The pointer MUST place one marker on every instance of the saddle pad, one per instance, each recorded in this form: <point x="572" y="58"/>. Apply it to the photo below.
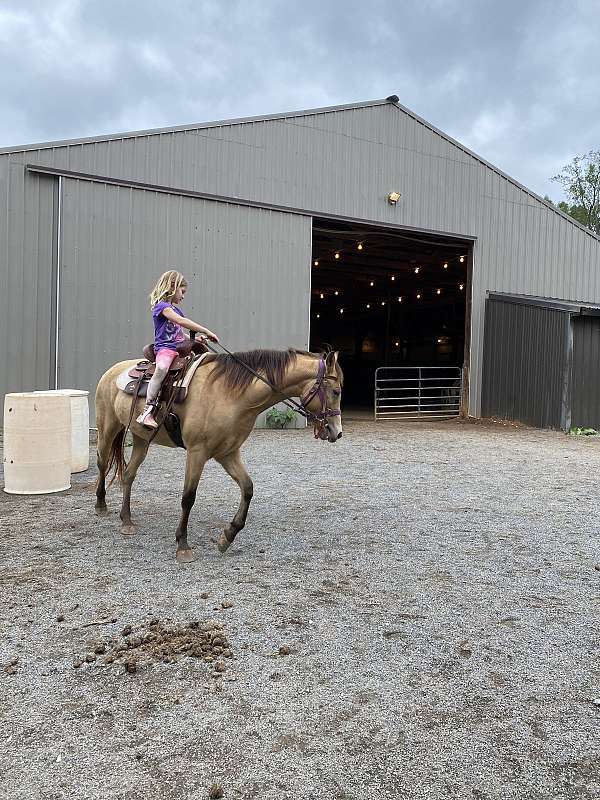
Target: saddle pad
<point x="124" y="379"/>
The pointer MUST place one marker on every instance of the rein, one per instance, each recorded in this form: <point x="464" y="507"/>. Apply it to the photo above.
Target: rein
<point x="319" y="419"/>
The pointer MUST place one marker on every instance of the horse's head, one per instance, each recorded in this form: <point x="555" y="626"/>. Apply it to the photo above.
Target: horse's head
<point x="325" y="400"/>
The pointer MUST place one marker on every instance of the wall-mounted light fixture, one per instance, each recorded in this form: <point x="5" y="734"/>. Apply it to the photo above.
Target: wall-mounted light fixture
<point x="393" y="198"/>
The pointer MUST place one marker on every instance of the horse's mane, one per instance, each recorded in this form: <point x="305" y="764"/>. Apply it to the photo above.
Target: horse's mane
<point x="270" y="363"/>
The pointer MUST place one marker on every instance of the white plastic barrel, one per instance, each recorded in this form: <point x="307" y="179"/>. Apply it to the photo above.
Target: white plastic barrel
<point x="80" y="426"/>
<point x="37" y="443"/>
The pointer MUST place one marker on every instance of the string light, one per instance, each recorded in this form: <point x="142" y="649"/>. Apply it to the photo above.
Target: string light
<point x="397" y="344"/>
<point x="317" y="262"/>
<point x="318" y="316"/>
<point x="418" y="297"/>
<point x="383" y="302"/>
<point x="372" y="283"/>
<point x="341" y="310"/>
<point x="439" y="291"/>
<point x="461" y="287"/>
<point x="322" y="296"/>
<point x="336" y="293"/>
<point x="461" y="259"/>
<point x="439" y="341"/>
<point x="368" y="305"/>
<point x="360" y="246"/>
<point x="445" y="265"/>
<point x="337" y="255"/>
<point x="393" y="277"/>
<point x="417" y="270"/>
<point x="400" y="299"/>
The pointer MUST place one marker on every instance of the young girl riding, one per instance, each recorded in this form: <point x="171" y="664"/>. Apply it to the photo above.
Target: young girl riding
<point x="168" y="319"/>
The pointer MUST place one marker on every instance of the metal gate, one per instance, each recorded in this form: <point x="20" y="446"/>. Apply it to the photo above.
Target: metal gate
<point x="417" y="393"/>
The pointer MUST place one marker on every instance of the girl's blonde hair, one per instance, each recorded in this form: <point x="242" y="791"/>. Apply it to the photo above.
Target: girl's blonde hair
<point x="166" y="286"/>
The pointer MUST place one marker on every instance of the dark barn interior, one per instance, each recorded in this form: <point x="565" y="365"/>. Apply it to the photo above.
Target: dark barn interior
<point x="387" y="297"/>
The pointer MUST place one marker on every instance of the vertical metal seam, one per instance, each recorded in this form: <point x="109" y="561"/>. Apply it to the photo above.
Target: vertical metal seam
<point x="57" y="289"/>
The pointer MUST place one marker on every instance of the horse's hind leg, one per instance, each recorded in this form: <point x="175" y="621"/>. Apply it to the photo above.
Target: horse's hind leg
<point x="138" y="454"/>
<point x="195" y="461"/>
<point x="106" y="437"/>
<point x="234" y="466"/>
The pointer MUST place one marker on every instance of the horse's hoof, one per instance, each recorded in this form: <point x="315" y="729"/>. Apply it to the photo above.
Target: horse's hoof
<point x="185" y="556"/>
<point x="128" y="529"/>
<point x="223" y="543"/>
<point x="102" y="511"/>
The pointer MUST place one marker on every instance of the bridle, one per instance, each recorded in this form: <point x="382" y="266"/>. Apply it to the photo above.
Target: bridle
<point x="319" y="419"/>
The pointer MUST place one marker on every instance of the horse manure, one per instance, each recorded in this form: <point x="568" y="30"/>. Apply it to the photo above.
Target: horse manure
<point x="215" y="792"/>
<point x="126" y="630"/>
<point x="220" y="666"/>
<point x="204" y="596"/>
<point x="131" y="666"/>
<point x="109" y="660"/>
<point x="100" y="648"/>
<point x="90" y="657"/>
<point x="60" y="618"/>
<point x="227" y="653"/>
<point x="10" y="669"/>
<point x="285" y="650"/>
<point x="77" y="662"/>
<point x="226" y="604"/>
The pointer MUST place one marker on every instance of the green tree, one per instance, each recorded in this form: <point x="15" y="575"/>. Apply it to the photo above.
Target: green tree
<point x="580" y="181"/>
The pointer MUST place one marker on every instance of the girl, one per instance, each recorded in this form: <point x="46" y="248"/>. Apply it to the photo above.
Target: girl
<point x="168" y="319"/>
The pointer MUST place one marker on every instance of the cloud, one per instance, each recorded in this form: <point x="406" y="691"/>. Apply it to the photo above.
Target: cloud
<point x="516" y="82"/>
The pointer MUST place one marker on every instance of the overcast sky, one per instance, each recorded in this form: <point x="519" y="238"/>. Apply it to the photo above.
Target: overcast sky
<point x="516" y="81"/>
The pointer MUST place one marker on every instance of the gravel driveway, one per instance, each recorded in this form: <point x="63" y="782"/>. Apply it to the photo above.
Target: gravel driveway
<point x="410" y="613"/>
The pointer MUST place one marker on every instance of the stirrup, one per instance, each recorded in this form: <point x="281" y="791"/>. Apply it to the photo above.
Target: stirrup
<point x="143" y="417"/>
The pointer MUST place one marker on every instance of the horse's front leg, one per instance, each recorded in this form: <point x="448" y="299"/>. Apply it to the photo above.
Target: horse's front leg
<point x="196" y="459"/>
<point x="138" y="454"/>
<point x="234" y="466"/>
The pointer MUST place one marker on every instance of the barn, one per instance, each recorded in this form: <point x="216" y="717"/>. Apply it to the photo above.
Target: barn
<point x="361" y="226"/>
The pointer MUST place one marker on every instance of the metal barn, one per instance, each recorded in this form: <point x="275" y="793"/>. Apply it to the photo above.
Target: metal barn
<point x="253" y="210"/>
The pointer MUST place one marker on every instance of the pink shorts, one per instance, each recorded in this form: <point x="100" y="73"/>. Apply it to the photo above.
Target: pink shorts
<point x="165" y="357"/>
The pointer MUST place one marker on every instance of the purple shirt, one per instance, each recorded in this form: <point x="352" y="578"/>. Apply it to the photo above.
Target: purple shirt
<point x="166" y="333"/>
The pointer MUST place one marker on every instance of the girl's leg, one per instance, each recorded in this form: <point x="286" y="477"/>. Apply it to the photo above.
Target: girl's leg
<point x="164" y="359"/>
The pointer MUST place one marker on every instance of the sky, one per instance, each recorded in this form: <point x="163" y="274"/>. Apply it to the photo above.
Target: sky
<point x="517" y="82"/>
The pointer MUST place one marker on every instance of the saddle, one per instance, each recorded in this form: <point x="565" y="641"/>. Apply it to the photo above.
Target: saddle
<point x="172" y="390"/>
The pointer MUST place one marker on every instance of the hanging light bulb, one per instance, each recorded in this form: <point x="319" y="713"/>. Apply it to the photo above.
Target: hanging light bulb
<point x="383" y="302"/>
<point x="445" y="265"/>
<point x="461" y="286"/>
<point x="372" y="283"/>
<point x="360" y="246"/>
<point x="318" y="316"/>
<point x="461" y="259"/>
<point x="418" y="297"/>
<point x="337" y="255"/>
<point x="322" y="296"/>
<point x="336" y="293"/>
<point x="316" y="262"/>
<point x="393" y="277"/>
<point x="400" y="299"/>
<point x="341" y="310"/>
<point x="417" y="270"/>
<point x="397" y="344"/>
<point x="439" y="291"/>
<point x="368" y="305"/>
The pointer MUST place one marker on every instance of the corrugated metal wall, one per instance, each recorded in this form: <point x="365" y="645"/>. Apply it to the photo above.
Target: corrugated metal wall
<point x="27" y="248"/>
<point x="585" y="391"/>
<point x="344" y="163"/>
<point x="526" y="364"/>
<point x="249" y="273"/>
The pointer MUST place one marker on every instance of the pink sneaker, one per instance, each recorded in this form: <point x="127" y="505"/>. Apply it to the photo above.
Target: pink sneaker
<point x="146" y="419"/>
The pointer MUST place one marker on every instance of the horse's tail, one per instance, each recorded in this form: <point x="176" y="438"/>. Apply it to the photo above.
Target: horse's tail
<point x="116" y="460"/>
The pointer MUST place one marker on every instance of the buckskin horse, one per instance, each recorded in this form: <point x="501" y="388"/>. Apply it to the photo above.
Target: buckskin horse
<point x="223" y="401"/>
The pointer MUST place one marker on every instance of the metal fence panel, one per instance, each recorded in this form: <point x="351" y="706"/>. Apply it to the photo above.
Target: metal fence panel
<point x="417" y="393"/>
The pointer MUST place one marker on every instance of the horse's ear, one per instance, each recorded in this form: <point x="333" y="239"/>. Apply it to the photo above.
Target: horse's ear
<point x="331" y="359"/>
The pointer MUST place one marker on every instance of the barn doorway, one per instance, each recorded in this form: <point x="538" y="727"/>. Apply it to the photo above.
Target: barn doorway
<point x="387" y="298"/>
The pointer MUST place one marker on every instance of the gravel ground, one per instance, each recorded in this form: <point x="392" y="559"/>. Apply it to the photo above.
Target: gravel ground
<point x="435" y="585"/>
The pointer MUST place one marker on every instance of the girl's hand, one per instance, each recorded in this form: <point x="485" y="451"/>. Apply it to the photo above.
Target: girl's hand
<point x="212" y="336"/>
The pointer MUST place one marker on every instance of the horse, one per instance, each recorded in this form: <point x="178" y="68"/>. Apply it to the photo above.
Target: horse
<point x="223" y="401"/>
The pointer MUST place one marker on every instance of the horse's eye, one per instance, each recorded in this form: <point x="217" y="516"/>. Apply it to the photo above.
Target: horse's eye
<point x="337" y="392"/>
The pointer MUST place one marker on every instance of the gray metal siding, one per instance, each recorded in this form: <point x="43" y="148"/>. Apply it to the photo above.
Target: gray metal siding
<point x="249" y="273"/>
<point x="345" y="162"/>
<point x="525" y="364"/>
<point x="585" y="391"/>
<point x="27" y="207"/>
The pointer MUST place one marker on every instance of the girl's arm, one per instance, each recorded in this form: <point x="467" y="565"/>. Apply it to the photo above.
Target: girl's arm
<point x="171" y="314"/>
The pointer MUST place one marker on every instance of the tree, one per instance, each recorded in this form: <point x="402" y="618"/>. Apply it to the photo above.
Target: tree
<point x="580" y="181"/>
